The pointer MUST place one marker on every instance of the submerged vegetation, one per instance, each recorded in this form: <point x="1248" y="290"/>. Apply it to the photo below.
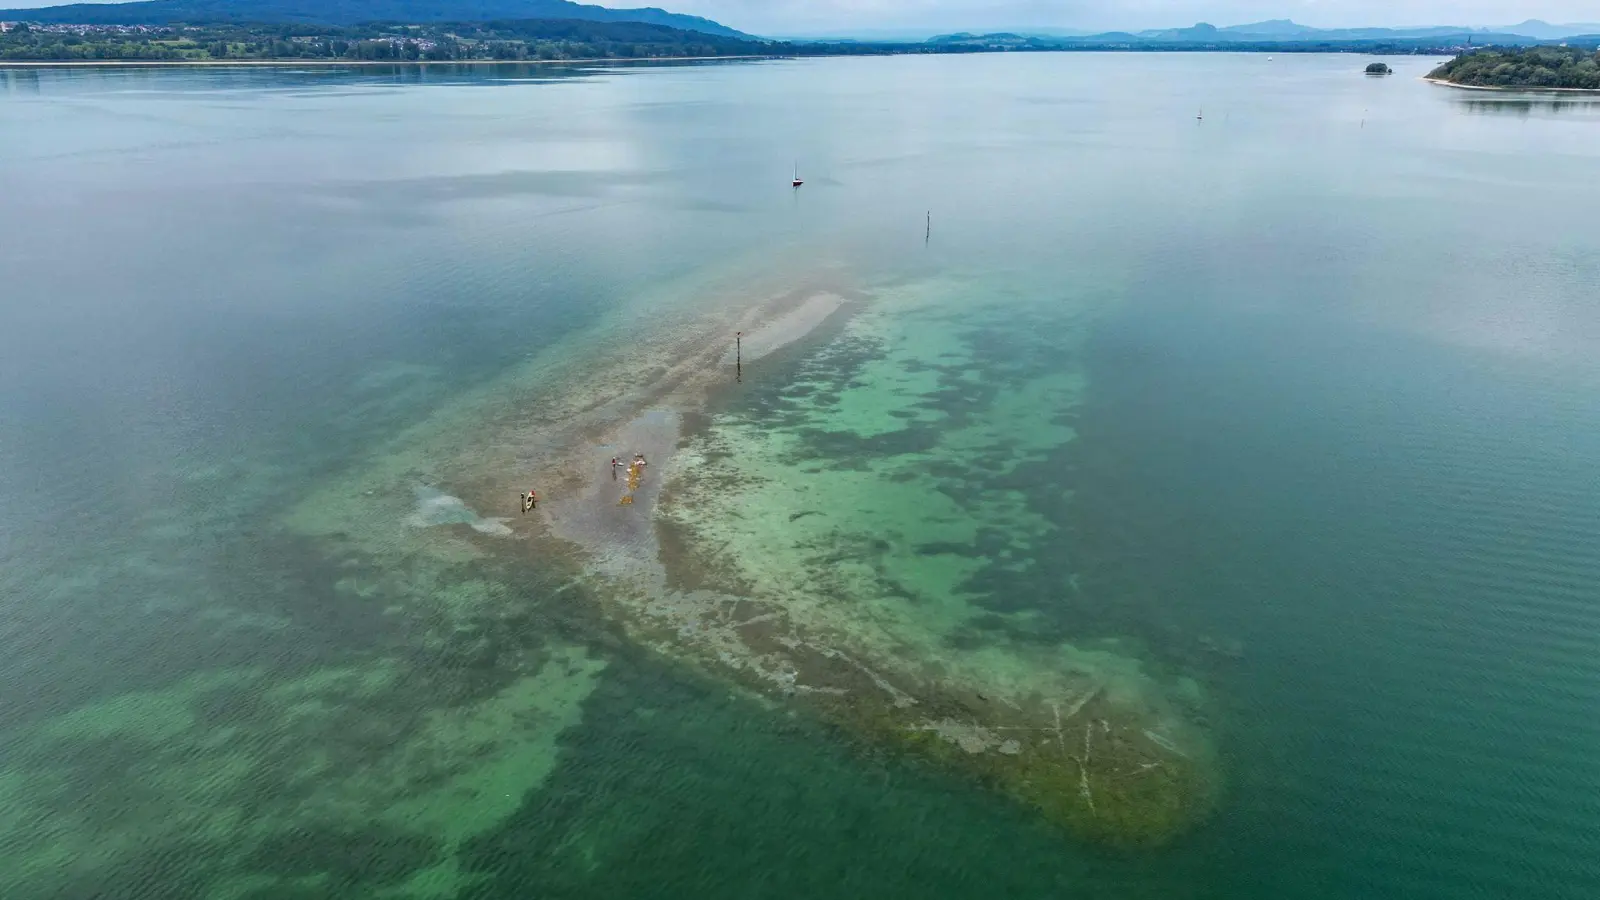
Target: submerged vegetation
<point x="1534" y="67"/>
<point x="877" y="534"/>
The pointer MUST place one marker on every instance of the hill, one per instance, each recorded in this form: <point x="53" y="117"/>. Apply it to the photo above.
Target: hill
<point x="1278" y="28"/>
<point x="351" y="12"/>
<point x="1570" y="68"/>
<point x="1544" y="31"/>
<point x="1286" y="31"/>
<point x="536" y="39"/>
<point x="1282" y="37"/>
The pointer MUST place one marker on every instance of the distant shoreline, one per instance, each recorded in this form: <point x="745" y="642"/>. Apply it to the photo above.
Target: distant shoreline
<point x="898" y="50"/>
<point x="1512" y="89"/>
<point x="340" y="63"/>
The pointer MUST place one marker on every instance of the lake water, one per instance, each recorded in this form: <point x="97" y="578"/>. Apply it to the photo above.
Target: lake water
<point x="1278" y="426"/>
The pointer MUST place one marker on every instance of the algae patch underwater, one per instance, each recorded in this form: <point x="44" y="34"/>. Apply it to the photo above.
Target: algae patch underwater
<point x="875" y="532"/>
<point x="869" y="526"/>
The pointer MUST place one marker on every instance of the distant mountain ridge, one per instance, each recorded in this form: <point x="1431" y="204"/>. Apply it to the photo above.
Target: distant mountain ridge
<point x="354" y="12"/>
<point x="1288" y="30"/>
<point x="1281" y="36"/>
<point x="1209" y="37"/>
<point x="1547" y="32"/>
<point x="1269" y="31"/>
<point x="351" y="12"/>
<point x="1273" y="27"/>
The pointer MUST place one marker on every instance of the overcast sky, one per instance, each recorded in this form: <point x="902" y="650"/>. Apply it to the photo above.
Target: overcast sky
<point x="842" y="16"/>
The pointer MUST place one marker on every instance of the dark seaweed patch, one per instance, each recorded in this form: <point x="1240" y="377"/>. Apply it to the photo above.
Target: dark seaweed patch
<point x="377" y="855"/>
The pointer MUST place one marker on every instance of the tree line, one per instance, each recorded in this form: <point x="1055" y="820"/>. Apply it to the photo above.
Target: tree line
<point x="559" y="39"/>
<point x="511" y="40"/>
<point x="1532" y="67"/>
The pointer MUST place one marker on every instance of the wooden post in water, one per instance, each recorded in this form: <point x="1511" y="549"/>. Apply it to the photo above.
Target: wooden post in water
<point x="926" y="235"/>
<point x="738" y="356"/>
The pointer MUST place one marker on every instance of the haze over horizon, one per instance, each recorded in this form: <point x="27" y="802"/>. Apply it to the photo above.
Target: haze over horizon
<point x="844" y="16"/>
<point x="926" y="17"/>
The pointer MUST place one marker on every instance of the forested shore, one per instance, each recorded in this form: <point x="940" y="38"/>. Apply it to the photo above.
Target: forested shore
<point x="1561" y="68"/>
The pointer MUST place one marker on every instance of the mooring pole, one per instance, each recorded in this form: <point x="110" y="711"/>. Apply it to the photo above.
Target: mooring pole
<point x="738" y="356"/>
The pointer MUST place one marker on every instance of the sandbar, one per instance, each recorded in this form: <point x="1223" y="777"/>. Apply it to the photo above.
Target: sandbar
<point x="1082" y="734"/>
<point x="788" y="327"/>
<point x="1512" y="89"/>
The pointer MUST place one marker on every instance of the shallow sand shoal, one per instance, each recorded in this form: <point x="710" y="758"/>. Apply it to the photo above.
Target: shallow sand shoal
<point x="1512" y="89"/>
<point x="787" y="328"/>
<point x="792" y="577"/>
<point x="706" y="565"/>
<point x="620" y="536"/>
<point x="638" y="405"/>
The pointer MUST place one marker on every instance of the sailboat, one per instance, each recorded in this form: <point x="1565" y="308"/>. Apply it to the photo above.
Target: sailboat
<point x="797" y="181"/>
<point x="1200" y="115"/>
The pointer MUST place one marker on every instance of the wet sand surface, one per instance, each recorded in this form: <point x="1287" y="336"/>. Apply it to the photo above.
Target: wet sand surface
<point x="787" y="328"/>
<point x="621" y="536"/>
<point x="645" y="415"/>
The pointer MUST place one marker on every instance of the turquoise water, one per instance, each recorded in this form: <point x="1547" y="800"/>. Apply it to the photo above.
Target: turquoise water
<point x="1296" y="403"/>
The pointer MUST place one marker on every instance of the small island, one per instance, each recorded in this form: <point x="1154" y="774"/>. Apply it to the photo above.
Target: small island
<point x="1530" y="68"/>
<point x="1379" y="68"/>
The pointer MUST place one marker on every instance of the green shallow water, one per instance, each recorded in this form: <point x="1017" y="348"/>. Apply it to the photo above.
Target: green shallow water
<point x="1245" y="421"/>
<point x="897" y="497"/>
